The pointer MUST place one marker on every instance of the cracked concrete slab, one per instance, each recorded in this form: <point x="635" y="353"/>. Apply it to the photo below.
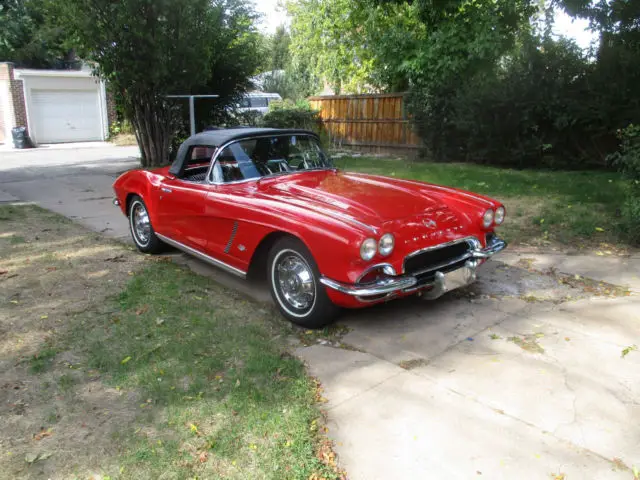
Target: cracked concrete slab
<point x="616" y="270"/>
<point x="409" y="426"/>
<point x="553" y="369"/>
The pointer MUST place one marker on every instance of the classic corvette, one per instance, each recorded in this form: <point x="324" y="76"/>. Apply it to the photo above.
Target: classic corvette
<point x="270" y="202"/>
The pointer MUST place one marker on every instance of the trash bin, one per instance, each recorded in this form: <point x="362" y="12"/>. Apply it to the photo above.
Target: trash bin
<point x="20" y="137"/>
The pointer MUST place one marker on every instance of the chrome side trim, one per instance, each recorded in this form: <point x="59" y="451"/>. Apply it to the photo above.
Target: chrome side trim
<point x="202" y="256"/>
<point x="380" y="287"/>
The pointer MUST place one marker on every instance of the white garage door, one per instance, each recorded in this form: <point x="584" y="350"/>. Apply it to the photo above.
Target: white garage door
<point x="65" y="115"/>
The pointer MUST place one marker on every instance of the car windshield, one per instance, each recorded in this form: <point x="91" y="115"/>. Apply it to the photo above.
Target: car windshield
<point x="266" y="156"/>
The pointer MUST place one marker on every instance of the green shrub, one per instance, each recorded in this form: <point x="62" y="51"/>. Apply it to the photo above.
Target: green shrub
<point x="627" y="160"/>
<point x="530" y="110"/>
<point x="288" y="114"/>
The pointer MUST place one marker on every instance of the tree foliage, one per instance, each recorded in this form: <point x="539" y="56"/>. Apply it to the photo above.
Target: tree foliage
<point x="28" y="39"/>
<point x="278" y="49"/>
<point x="354" y="45"/>
<point x="148" y="49"/>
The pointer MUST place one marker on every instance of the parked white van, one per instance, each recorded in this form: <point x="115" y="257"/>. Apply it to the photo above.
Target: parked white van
<point x="257" y="102"/>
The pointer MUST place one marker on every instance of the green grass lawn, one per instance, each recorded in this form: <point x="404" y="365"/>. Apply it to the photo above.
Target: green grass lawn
<point x="578" y="208"/>
<point x="217" y="386"/>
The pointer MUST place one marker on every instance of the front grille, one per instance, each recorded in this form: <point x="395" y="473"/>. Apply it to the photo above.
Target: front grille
<point x="437" y="259"/>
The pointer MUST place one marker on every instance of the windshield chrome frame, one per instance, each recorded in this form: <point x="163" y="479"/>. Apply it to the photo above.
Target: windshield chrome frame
<point x="256" y="179"/>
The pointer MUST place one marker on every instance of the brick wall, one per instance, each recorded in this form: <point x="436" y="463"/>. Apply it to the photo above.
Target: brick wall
<point x="19" y="107"/>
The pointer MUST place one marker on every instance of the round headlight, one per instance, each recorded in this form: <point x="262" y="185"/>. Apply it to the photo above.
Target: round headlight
<point x="385" y="246"/>
<point x="499" y="216"/>
<point x="487" y="218"/>
<point x="368" y="249"/>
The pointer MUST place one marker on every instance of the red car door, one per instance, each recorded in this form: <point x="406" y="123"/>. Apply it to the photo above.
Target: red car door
<point x="224" y="209"/>
<point x="181" y="212"/>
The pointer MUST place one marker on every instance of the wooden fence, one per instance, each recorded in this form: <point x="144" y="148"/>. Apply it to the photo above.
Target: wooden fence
<point x="368" y="122"/>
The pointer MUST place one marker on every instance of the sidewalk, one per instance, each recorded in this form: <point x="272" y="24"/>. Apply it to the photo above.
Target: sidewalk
<point x="622" y="271"/>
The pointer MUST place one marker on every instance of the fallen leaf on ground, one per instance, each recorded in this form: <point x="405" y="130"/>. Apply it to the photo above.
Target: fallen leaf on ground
<point x="32" y="458"/>
<point x="43" y="434"/>
<point x="125" y="360"/>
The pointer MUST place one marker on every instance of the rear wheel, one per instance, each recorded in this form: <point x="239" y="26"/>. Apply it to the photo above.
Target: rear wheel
<point x="294" y="281"/>
<point x="142" y="231"/>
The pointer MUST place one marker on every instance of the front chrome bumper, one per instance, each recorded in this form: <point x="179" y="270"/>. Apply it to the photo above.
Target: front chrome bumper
<point x="442" y="283"/>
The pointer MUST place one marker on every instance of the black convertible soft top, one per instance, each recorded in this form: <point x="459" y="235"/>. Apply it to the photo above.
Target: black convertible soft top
<point x="216" y="138"/>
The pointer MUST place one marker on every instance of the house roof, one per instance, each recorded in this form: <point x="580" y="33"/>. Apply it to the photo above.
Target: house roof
<point x="219" y="137"/>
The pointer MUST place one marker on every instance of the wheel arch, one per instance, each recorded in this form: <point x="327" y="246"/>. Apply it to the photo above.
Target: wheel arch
<point x="258" y="263"/>
<point x="128" y="200"/>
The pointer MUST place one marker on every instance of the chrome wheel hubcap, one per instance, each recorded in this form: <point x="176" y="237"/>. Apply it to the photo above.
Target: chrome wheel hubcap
<point x="141" y="223"/>
<point x="295" y="281"/>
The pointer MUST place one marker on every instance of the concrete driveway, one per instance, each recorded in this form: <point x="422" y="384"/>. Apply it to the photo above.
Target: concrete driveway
<point x="526" y="374"/>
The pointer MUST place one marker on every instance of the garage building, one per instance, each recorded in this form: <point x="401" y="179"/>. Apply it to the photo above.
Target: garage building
<point x="56" y="106"/>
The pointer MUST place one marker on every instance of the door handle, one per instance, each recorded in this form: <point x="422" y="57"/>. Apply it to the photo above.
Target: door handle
<point x="166" y="190"/>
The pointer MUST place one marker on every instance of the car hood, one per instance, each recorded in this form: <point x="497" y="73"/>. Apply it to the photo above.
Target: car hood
<point x="370" y="199"/>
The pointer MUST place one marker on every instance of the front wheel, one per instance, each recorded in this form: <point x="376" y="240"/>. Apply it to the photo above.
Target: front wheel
<point x="294" y="281"/>
<point x="142" y="231"/>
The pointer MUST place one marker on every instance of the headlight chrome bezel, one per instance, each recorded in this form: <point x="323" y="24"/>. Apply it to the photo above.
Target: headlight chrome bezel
<point x="487" y="218"/>
<point x="499" y="216"/>
<point x="388" y="250"/>
<point x="368" y="245"/>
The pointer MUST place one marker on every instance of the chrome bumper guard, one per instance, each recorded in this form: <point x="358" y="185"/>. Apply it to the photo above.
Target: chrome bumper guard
<point x="442" y="283"/>
<point x="381" y="287"/>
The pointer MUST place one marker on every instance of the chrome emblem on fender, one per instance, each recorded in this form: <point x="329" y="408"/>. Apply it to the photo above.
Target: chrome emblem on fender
<point x="429" y="223"/>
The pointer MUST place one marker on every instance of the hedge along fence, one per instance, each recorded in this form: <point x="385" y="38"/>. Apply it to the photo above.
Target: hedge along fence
<point x="377" y="122"/>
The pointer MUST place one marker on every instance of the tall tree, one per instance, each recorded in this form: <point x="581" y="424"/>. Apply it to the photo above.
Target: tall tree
<point x="279" y="49"/>
<point x="148" y="49"/>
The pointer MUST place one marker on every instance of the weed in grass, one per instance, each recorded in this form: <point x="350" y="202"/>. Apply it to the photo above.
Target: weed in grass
<point x="42" y="360"/>
<point x="52" y="417"/>
<point x="17" y="240"/>
<point x="66" y="382"/>
<point x="11" y="212"/>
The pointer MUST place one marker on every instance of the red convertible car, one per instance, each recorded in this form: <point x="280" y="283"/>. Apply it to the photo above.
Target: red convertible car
<point x="270" y="201"/>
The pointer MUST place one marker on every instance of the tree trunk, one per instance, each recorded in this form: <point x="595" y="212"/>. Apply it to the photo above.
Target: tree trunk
<point x="153" y="124"/>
